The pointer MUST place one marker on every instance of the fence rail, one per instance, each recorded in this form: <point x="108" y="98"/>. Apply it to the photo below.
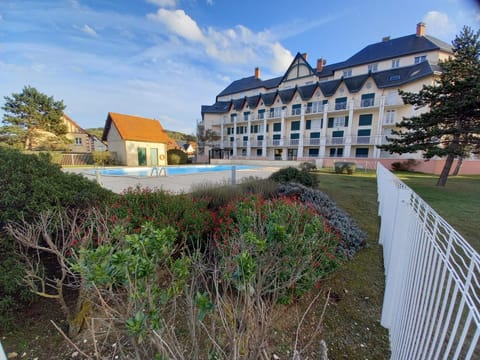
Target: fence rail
<point x="432" y="293"/>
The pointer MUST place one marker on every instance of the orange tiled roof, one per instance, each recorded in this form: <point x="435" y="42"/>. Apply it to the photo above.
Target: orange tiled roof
<point x="137" y="128"/>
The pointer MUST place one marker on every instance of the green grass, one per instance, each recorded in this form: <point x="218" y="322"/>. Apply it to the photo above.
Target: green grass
<point x="458" y="202"/>
<point x="351" y="326"/>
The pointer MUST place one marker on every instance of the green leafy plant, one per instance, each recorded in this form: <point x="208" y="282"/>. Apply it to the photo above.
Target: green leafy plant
<point x="345" y="167"/>
<point x="176" y="157"/>
<point x="292" y="174"/>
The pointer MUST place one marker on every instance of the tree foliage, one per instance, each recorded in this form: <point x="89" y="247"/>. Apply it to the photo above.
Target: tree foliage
<point x="27" y="114"/>
<point x="451" y="127"/>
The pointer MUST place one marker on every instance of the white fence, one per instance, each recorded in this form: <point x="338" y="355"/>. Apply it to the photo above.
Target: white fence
<point x="432" y="293"/>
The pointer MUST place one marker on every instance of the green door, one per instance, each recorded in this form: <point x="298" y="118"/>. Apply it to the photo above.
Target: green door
<point x="142" y="156"/>
<point x="154" y="156"/>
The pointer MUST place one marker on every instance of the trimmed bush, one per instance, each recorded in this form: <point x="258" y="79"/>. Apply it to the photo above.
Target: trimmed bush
<point x="101" y="158"/>
<point x="307" y="166"/>
<point x="353" y="237"/>
<point x="406" y="165"/>
<point x="345" y="167"/>
<point x="176" y="157"/>
<point x="31" y="184"/>
<point x="291" y="174"/>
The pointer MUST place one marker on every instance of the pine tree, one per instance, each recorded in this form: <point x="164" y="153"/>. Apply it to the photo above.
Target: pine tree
<point x="28" y="112"/>
<point x="451" y="126"/>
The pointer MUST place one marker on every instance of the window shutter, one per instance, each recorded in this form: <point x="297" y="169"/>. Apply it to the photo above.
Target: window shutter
<point x="308" y="124"/>
<point x="330" y="122"/>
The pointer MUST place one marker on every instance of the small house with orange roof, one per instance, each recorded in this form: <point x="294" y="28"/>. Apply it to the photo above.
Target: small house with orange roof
<point x="135" y="140"/>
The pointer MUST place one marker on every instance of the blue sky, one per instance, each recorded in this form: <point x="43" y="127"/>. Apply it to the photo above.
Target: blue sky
<point x="163" y="59"/>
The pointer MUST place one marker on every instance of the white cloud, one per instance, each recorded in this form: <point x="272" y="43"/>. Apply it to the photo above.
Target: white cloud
<point x="281" y="58"/>
<point x="89" y="30"/>
<point x="210" y="2"/>
<point x="163" y="3"/>
<point x="179" y="23"/>
<point x="439" y="25"/>
<point x="238" y="45"/>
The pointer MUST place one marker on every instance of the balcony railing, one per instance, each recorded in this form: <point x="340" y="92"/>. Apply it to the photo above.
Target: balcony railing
<point x="341" y="105"/>
<point x="367" y="103"/>
<point x="361" y="139"/>
<point x="296" y="112"/>
<point x="291" y="142"/>
<point x="335" y="141"/>
<point x="312" y="141"/>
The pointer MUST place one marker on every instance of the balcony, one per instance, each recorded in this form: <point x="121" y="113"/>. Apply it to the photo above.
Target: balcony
<point x="340" y="106"/>
<point x="296" y="112"/>
<point x="365" y="140"/>
<point x="336" y="141"/>
<point x="291" y="142"/>
<point x="367" y="103"/>
<point x="312" y="142"/>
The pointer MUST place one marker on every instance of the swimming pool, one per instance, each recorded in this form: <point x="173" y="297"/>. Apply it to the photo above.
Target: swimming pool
<point x="171" y="170"/>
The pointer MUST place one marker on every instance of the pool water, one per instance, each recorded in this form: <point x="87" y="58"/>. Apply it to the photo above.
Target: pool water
<point x="171" y="170"/>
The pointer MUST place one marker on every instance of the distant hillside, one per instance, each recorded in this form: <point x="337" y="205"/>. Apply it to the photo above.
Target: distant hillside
<point x="175" y="135"/>
<point x="178" y="136"/>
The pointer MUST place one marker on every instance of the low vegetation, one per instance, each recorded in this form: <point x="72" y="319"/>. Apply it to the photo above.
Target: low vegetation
<point x="176" y="157"/>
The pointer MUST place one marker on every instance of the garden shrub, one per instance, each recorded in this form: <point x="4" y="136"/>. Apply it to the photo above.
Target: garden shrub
<point x="406" y="165"/>
<point x="292" y="174"/>
<point x="137" y="206"/>
<point x="307" y="166"/>
<point x="345" y="167"/>
<point x="176" y="157"/>
<point x="253" y="232"/>
<point x="102" y="158"/>
<point x="30" y="184"/>
<point x="353" y="238"/>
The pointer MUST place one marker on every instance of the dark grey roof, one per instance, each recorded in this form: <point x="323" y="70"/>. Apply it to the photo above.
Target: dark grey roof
<point x="355" y="83"/>
<point x="268" y="98"/>
<point x="252" y="101"/>
<point x="306" y="92"/>
<point x="286" y="95"/>
<point x="250" y="83"/>
<point x="400" y="76"/>
<point x="219" y="107"/>
<point x="405" y="45"/>
<point x="238" y="103"/>
<point x="329" y="87"/>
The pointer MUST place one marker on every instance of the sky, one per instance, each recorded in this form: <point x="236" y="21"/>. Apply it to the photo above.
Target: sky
<point x="164" y="59"/>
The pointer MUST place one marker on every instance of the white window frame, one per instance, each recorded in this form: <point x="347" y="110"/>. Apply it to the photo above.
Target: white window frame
<point x="395" y="63"/>
<point x="339" y="121"/>
<point x="420" y="59"/>
<point x="78" y="141"/>
<point x="347" y="73"/>
<point x="373" y="67"/>
<point x="390" y="117"/>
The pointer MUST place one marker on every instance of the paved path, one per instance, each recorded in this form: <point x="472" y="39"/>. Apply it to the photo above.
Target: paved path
<point x="175" y="184"/>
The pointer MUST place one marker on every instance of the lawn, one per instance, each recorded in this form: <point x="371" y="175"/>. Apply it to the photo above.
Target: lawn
<point x="352" y="328"/>
<point x="458" y="202"/>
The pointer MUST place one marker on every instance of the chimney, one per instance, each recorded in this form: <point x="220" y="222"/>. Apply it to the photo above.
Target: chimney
<point x="305" y="55"/>
<point x="320" y="64"/>
<point x="385" y="38"/>
<point x="421" y="29"/>
<point x="257" y="73"/>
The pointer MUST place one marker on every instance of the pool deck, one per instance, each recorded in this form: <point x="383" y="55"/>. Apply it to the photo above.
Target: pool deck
<point x="174" y="184"/>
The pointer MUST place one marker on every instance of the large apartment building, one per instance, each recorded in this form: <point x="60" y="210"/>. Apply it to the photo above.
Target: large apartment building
<point x="330" y="110"/>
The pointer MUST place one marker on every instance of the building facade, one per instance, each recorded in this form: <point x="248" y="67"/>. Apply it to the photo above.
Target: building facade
<point x="344" y="109"/>
<point x="135" y="140"/>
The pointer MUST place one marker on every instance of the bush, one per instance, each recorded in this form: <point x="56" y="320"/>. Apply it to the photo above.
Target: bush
<point x="291" y="174"/>
<point x="353" y="238"/>
<point x="31" y="184"/>
<point x="307" y="166"/>
<point x="101" y="158"/>
<point x="176" y="157"/>
<point x="406" y="165"/>
<point x="345" y="167"/>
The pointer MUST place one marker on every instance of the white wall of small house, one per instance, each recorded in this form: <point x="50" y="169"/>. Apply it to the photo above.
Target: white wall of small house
<point x="132" y="152"/>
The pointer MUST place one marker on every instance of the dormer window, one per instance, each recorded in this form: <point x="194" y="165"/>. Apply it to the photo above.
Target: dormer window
<point x="419" y="59"/>
<point x="373" y="67"/>
<point x="347" y="73"/>
<point x="395" y="63"/>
